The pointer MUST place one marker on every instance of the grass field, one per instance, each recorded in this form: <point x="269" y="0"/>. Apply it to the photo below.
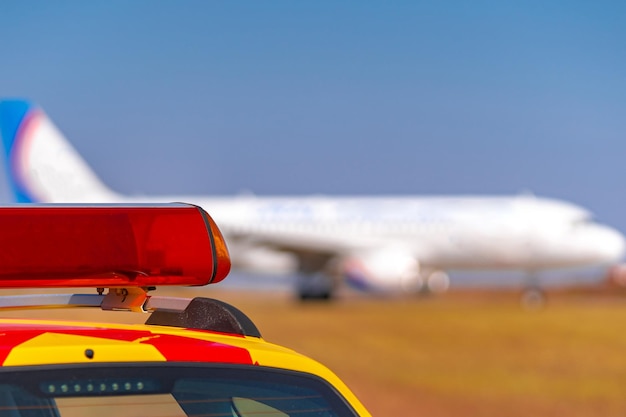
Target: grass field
<point x="470" y="354"/>
<point x="465" y="354"/>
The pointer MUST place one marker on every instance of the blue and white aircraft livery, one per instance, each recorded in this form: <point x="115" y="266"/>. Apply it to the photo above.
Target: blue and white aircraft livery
<point x="381" y="244"/>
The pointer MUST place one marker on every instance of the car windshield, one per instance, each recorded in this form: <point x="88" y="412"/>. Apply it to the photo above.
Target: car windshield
<point x="165" y="389"/>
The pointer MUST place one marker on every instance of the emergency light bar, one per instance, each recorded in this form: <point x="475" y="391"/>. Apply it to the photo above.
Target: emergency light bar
<point x="51" y="246"/>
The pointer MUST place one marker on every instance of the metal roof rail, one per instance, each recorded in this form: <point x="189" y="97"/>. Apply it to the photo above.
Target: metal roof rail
<point x="199" y="313"/>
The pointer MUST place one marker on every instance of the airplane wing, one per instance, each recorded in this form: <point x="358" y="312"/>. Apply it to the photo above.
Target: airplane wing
<point x="297" y="242"/>
<point x="313" y="251"/>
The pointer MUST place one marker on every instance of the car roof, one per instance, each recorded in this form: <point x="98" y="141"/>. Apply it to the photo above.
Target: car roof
<point x="24" y="342"/>
<point x="42" y="342"/>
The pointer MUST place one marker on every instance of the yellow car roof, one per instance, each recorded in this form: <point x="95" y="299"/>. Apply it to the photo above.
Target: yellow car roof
<point x="34" y="342"/>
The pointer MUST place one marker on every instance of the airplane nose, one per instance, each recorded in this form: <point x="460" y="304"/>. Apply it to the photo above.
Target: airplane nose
<point x="610" y="244"/>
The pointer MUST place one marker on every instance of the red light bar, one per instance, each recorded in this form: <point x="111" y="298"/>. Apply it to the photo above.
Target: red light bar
<point x="44" y="246"/>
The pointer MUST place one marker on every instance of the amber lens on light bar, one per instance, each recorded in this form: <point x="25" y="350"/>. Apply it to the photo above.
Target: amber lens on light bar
<point x="109" y="246"/>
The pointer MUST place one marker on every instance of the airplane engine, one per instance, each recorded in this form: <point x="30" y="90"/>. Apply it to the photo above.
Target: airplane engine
<point x="383" y="271"/>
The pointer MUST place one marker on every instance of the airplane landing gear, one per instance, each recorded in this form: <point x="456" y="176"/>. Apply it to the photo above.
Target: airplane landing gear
<point x="533" y="298"/>
<point x="315" y="287"/>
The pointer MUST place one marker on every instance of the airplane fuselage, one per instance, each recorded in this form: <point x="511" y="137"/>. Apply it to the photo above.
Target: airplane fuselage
<point x="520" y="232"/>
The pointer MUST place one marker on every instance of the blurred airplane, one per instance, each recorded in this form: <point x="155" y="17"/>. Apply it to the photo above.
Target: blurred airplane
<point x="380" y="244"/>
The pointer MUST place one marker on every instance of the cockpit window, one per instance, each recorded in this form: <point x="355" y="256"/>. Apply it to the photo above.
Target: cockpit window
<point x="166" y="390"/>
<point x="583" y="222"/>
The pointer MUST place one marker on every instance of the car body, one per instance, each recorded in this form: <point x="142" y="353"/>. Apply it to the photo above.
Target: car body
<point x="199" y="357"/>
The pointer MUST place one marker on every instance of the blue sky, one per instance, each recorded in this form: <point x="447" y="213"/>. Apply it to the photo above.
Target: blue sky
<point x="346" y="97"/>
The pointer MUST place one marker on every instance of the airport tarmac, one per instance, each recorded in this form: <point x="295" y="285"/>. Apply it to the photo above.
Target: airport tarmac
<point x="462" y="280"/>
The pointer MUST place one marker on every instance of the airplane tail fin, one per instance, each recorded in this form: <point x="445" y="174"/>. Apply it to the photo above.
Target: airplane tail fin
<point x="42" y="166"/>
